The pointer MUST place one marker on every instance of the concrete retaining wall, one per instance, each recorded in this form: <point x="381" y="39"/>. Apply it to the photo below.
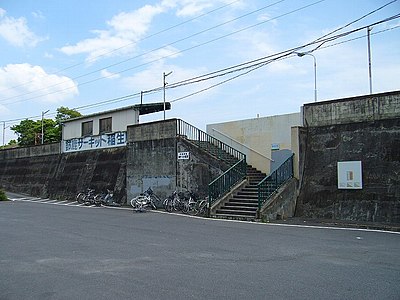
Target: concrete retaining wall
<point x="340" y="131"/>
<point x="33" y="151"/>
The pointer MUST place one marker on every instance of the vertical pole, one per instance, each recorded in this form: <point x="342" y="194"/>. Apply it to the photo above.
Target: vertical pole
<point x="141" y="97"/>
<point x="369" y="59"/>
<point x="315" y="79"/>
<point x="164" y="84"/>
<point x="42" y="127"/>
<point x="4" y="132"/>
<point x="43" y="113"/>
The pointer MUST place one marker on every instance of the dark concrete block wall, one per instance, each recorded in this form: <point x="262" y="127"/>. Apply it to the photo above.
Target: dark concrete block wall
<point x="194" y="174"/>
<point x="61" y="176"/>
<point x="374" y="141"/>
<point x="28" y="175"/>
<point x="151" y="158"/>
<point x="97" y="169"/>
<point x="152" y="161"/>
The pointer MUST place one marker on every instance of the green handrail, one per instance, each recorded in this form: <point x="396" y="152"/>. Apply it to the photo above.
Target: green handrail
<point x="272" y="182"/>
<point x="208" y="143"/>
<point x="223" y="183"/>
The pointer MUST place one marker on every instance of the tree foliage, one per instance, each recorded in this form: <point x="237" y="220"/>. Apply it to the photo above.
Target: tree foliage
<point x="30" y="132"/>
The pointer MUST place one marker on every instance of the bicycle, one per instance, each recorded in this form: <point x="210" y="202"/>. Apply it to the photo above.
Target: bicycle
<point x="202" y="207"/>
<point x="106" y="199"/>
<point x="86" y="198"/>
<point x="174" y="202"/>
<point x="144" y="201"/>
<point x="189" y="204"/>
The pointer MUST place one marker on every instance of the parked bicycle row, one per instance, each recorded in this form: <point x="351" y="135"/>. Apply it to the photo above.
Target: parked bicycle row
<point x="185" y="202"/>
<point x="91" y="198"/>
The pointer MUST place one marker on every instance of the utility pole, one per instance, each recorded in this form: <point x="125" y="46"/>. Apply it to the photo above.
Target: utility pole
<point x="369" y="59"/>
<point x="4" y="132"/>
<point x="165" y="84"/>
<point x="43" y="113"/>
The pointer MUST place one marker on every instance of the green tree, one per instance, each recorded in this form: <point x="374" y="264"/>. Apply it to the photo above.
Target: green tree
<point x="64" y="113"/>
<point x="30" y="132"/>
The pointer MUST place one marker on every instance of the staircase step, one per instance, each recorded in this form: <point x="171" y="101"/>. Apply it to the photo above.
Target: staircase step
<point x="236" y="213"/>
<point x="240" y="206"/>
<point x="235" y="217"/>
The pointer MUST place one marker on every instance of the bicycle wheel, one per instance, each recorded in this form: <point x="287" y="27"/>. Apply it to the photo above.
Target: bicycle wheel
<point x="152" y="204"/>
<point x="169" y="205"/>
<point x="192" y="208"/>
<point x="157" y="201"/>
<point x="185" y="208"/>
<point x="80" y="198"/>
<point x="135" y="202"/>
<point x="98" y="199"/>
<point x="202" y="209"/>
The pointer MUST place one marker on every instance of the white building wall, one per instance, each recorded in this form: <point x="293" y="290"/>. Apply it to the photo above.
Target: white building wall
<point x="256" y="137"/>
<point x="120" y="121"/>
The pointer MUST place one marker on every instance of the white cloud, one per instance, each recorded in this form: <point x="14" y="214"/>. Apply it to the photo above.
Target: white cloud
<point x="190" y="8"/>
<point x="153" y="76"/>
<point x="124" y="31"/>
<point x="107" y="74"/>
<point x="160" y="54"/>
<point x="16" y="31"/>
<point x="20" y="82"/>
<point x="38" y="15"/>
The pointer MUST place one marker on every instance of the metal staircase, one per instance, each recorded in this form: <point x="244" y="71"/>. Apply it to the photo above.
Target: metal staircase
<point x="243" y="204"/>
<point x="246" y="202"/>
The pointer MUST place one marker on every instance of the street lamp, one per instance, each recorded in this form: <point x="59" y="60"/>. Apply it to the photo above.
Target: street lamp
<point x="301" y="54"/>
<point x="4" y="132"/>
<point x="165" y="84"/>
<point x="43" y="113"/>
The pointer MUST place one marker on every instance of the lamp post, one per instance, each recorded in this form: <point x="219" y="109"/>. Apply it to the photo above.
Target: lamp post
<point x="301" y="54"/>
<point x="165" y="84"/>
<point x="43" y="113"/>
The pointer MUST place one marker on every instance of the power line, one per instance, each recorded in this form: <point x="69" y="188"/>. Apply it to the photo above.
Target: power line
<point x="129" y="44"/>
<point x="251" y="65"/>
<point x="137" y="56"/>
<point x="166" y="56"/>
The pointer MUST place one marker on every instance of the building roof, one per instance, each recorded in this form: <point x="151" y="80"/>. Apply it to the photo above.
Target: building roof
<point x="143" y="109"/>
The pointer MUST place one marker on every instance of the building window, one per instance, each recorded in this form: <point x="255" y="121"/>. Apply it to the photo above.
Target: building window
<point x="105" y="125"/>
<point x="87" y="128"/>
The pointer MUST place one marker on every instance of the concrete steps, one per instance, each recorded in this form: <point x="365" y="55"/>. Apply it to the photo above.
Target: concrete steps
<point x="243" y="204"/>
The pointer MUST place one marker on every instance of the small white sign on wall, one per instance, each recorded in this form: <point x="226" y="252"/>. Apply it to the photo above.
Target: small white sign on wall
<point x="183" y="155"/>
<point x="349" y="175"/>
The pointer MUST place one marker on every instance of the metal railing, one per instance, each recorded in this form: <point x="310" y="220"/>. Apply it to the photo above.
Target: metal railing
<point x="224" y="183"/>
<point x="208" y="143"/>
<point x="272" y="182"/>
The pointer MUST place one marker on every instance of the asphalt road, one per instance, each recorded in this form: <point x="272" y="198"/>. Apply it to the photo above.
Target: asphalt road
<point x="58" y="250"/>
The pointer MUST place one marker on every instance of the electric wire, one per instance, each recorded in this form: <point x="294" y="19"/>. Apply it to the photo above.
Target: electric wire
<point x="135" y="57"/>
<point x="158" y="59"/>
<point x="255" y="65"/>
<point x="129" y="44"/>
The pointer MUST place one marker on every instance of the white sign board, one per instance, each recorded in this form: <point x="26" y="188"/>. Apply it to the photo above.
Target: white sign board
<point x="183" y="155"/>
<point x="349" y="175"/>
<point x="115" y="139"/>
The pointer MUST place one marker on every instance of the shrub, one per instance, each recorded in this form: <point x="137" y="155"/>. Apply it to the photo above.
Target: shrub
<point x="3" y="196"/>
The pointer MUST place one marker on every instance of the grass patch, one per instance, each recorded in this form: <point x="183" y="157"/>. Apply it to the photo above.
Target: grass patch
<point x="3" y="196"/>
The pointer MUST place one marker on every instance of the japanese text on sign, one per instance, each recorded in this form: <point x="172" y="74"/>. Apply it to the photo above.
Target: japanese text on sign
<point x="183" y="155"/>
<point x="115" y="139"/>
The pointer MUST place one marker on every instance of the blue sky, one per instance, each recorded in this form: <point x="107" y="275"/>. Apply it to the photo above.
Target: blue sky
<point x="81" y="53"/>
